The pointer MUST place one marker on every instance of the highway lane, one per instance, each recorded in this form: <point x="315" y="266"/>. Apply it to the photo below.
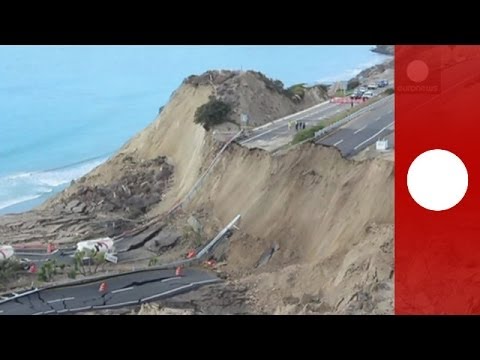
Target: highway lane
<point x="60" y="257"/>
<point x="122" y="290"/>
<point x="277" y="134"/>
<point x="364" y="130"/>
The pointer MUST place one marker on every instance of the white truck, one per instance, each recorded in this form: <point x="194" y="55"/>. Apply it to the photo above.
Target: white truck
<point x="6" y="252"/>
<point x="103" y="245"/>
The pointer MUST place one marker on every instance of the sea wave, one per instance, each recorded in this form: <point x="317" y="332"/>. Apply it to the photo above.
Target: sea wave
<point x="18" y="200"/>
<point x="26" y="186"/>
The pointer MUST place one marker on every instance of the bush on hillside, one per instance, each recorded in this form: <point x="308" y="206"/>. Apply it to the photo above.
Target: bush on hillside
<point x="212" y="113"/>
<point x="324" y="87"/>
<point x="9" y="270"/>
<point x="296" y="91"/>
<point x="389" y="91"/>
<point x="271" y="84"/>
<point x="352" y="84"/>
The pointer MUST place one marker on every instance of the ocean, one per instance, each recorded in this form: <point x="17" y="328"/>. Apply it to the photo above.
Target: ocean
<point x="65" y="109"/>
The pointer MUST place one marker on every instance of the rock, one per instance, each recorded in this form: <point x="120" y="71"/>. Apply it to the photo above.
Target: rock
<point x="72" y="204"/>
<point x="308" y="298"/>
<point x="163" y="241"/>
<point x="79" y="209"/>
<point x="195" y="224"/>
<point x="291" y="300"/>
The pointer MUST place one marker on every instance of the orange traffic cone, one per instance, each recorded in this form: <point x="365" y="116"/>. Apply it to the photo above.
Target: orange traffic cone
<point x="103" y="287"/>
<point x="211" y="263"/>
<point x="191" y="254"/>
<point x="179" y="271"/>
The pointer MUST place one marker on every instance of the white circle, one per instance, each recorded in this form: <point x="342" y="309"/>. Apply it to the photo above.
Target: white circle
<point x="437" y="180"/>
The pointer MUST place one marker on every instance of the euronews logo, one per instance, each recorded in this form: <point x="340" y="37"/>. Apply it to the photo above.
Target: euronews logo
<point x="420" y="78"/>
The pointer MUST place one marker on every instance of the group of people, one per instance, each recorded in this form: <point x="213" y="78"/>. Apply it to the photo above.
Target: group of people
<point x="299" y="125"/>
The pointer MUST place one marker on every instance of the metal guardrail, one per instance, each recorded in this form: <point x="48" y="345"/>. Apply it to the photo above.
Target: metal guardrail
<point x="197" y="259"/>
<point x="186" y="199"/>
<point x="199" y="182"/>
<point x="282" y="119"/>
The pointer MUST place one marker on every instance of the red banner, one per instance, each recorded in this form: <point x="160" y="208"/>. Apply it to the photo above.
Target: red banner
<point x="437" y="180"/>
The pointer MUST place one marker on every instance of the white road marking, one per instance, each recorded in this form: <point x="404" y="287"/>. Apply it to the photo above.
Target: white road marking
<point x="82" y="308"/>
<point x="45" y="312"/>
<point x="179" y="288"/>
<point x="1" y="311"/>
<point x="338" y="143"/>
<point x="60" y="300"/>
<point x="370" y="138"/>
<point x="170" y="279"/>
<point x="116" y="305"/>
<point x="261" y="134"/>
<point x="122" y="290"/>
<point x="378" y="118"/>
<point x="291" y="117"/>
<point x="363" y="127"/>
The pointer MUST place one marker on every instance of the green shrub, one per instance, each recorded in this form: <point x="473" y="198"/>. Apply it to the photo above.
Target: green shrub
<point x="306" y="134"/>
<point x="9" y="270"/>
<point x="389" y="91"/>
<point x="72" y="274"/>
<point x="153" y="261"/>
<point x="323" y="87"/>
<point x="47" y="271"/>
<point x="297" y="90"/>
<point x="212" y="113"/>
<point x="352" y="84"/>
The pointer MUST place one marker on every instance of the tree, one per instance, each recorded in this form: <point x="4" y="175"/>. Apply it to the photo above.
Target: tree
<point x="9" y="270"/>
<point x="47" y="271"/>
<point x="99" y="260"/>
<point x="72" y="274"/>
<point x="352" y="84"/>
<point x="79" y="264"/>
<point x="93" y="258"/>
<point x="212" y="113"/>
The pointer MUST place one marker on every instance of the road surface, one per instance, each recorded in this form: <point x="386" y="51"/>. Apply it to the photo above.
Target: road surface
<point x="39" y="258"/>
<point x="277" y="133"/>
<point x="364" y="130"/>
<point x="122" y="290"/>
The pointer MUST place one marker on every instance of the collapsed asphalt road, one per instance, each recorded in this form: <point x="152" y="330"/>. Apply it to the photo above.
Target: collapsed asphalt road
<point x="121" y="290"/>
<point x="364" y="130"/>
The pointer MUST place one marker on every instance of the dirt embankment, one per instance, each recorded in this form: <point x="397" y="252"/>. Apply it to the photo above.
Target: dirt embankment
<point x="331" y="221"/>
<point x="252" y="93"/>
<point x="186" y="145"/>
<point x="173" y="142"/>
<point x="316" y="231"/>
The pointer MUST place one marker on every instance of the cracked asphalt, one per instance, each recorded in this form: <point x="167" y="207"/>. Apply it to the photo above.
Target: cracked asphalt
<point x="122" y="290"/>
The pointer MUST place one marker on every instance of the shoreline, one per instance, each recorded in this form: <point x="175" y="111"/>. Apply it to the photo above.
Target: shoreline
<point x="29" y="205"/>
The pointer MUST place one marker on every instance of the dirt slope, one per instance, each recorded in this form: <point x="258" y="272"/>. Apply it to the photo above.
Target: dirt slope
<point x="187" y="145"/>
<point x="331" y="219"/>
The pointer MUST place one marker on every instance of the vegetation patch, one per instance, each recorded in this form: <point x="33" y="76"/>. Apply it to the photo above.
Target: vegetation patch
<point x="214" y="112"/>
